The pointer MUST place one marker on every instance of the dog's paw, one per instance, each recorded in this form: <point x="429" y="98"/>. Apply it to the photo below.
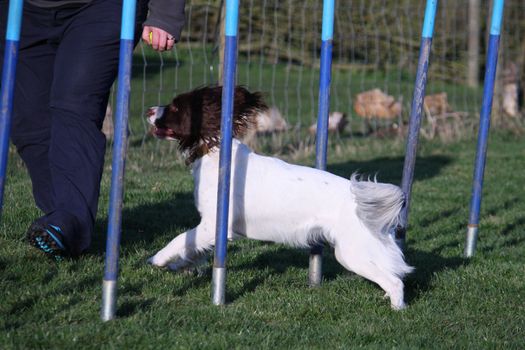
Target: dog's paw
<point x="396" y="303"/>
<point x="398" y="307"/>
<point x="155" y="261"/>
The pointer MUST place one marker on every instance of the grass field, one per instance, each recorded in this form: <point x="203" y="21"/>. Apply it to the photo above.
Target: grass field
<point x="452" y="302"/>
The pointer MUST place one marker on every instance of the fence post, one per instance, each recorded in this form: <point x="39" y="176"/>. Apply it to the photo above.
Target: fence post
<point x="223" y="195"/>
<point x="12" y="40"/>
<point x="484" y="126"/>
<point x="325" y="75"/>
<point x="474" y="32"/>
<point x="109" y="284"/>
<point x="415" y="117"/>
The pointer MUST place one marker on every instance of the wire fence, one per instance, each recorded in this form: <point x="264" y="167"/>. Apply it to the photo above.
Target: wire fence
<point x="375" y="52"/>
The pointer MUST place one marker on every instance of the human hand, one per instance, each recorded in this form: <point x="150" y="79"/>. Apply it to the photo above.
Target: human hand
<point x="157" y="38"/>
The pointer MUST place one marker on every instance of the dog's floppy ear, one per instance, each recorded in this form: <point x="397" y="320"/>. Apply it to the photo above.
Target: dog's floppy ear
<point x="203" y="109"/>
<point x="247" y="106"/>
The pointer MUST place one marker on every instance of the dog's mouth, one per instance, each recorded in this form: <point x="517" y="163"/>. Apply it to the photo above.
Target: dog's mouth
<point x="163" y="133"/>
<point x="153" y="115"/>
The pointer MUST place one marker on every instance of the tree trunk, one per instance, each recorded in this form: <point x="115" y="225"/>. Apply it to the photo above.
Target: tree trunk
<point x="474" y="29"/>
<point x="521" y="72"/>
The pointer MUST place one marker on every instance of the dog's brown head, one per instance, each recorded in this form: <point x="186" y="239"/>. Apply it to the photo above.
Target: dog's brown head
<point x="194" y="118"/>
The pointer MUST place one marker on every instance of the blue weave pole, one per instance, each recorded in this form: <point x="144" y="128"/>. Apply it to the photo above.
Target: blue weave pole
<point x="415" y="117"/>
<point x="225" y="156"/>
<point x="484" y="126"/>
<point x="109" y="284"/>
<point x="12" y="39"/>
<point x="315" y="273"/>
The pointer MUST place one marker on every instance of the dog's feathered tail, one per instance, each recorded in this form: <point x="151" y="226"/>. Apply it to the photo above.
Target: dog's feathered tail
<point x="378" y="204"/>
<point x="379" y="207"/>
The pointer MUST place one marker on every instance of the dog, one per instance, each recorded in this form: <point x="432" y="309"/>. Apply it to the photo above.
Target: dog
<point x="271" y="200"/>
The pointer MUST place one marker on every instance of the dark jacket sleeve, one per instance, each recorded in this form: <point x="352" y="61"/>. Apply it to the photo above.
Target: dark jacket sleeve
<point x="167" y="15"/>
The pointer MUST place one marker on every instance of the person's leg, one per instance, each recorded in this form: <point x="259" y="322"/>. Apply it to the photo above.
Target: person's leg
<point x="85" y="67"/>
<point x="31" y="117"/>
<point x="81" y="87"/>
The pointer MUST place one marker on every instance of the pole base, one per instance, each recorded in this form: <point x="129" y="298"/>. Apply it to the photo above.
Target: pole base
<point x="472" y="238"/>
<point x="315" y="271"/>
<point x="218" y="286"/>
<point x="109" y="300"/>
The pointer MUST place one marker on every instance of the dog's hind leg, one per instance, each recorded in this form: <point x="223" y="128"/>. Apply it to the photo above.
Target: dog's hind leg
<point x="185" y="248"/>
<point x="365" y="266"/>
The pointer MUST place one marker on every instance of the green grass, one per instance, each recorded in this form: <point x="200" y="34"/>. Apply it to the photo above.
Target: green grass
<point x="452" y="302"/>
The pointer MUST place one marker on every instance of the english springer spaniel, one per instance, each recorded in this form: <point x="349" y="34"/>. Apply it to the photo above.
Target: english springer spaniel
<point x="271" y="200"/>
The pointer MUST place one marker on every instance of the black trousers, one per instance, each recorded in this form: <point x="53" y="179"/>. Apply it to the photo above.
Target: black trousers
<point x="68" y="60"/>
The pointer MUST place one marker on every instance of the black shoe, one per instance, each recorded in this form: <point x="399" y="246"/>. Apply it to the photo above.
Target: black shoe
<point x="48" y="239"/>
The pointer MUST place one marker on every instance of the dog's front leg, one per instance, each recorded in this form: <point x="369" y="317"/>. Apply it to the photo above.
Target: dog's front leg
<point x="184" y="248"/>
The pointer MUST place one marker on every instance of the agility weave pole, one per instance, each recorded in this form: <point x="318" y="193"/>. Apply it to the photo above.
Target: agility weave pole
<point x="109" y="284"/>
<point x="315" y="272"/>
<point x="484" y="127"/>
<point x="415" y="117"/>
<point x="223" y="195"/>
<point x="12" y="41"/>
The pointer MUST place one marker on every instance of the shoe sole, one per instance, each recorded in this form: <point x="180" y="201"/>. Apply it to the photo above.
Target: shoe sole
<point x="47" y="242"/>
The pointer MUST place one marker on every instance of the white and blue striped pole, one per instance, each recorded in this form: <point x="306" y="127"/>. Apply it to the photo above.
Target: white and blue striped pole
<point x="223" y="195"/>
<point x="12" y="40"/>
<point x="484" y="126"/>
<point x="415" y="116"/>
<point x="109" y="284"/>
<point x="315" y="273"/>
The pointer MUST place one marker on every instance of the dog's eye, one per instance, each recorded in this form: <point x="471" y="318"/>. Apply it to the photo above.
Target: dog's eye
<point x="173" y="108"/>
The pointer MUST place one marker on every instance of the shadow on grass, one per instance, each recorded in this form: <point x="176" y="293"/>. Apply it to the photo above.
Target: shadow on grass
<point x="390" y="169"/>
<point x="427" y="265"/>
<point x="134" y="301"/>
<point x="65" y="296"/>
<point x="273" y="262"/>
<point x="497" y="207"/>
<point x="143" y="223"/>
<point x="510" y="234"/>
<point x="512" y="226"/>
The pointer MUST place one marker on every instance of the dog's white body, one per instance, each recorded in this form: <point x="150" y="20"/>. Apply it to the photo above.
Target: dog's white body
<point x="271" y="200"/>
